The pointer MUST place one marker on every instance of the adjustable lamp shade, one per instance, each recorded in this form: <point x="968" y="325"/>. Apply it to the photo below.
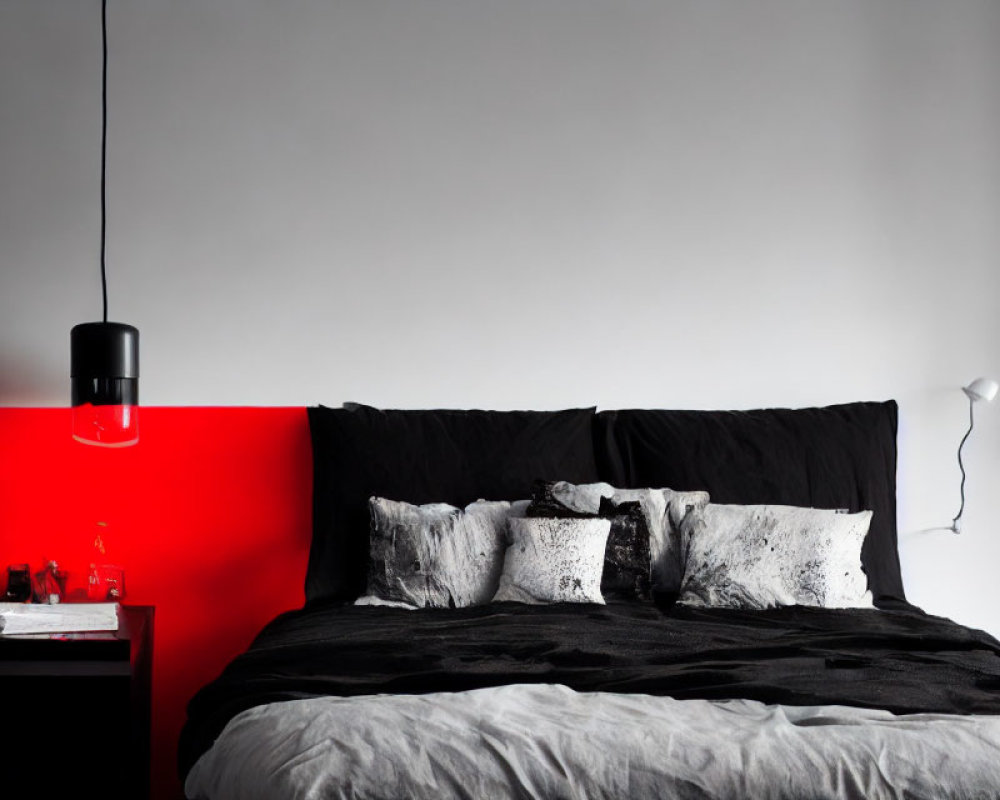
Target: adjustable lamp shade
<point x="104" y="370"/>
<point x="981" y="389"/>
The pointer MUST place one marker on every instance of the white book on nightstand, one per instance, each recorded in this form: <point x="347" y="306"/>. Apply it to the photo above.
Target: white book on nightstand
<point x="25" y="618"/>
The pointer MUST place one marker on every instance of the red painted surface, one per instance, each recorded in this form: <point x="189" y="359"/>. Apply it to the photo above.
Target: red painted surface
<point x="209" y="515"/>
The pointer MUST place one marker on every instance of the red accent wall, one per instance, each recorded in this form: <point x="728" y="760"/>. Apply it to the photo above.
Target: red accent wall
<point x="209" y="514"/>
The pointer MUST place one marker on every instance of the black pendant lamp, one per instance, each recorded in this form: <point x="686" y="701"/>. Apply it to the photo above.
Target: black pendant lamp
<point x="104" y="356"/>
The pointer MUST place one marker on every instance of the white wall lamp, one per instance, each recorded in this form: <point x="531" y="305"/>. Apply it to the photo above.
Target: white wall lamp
<point x="979" y="389"/>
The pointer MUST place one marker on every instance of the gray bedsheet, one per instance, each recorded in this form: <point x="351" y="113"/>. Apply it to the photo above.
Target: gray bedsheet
<point x="548" y="741"/>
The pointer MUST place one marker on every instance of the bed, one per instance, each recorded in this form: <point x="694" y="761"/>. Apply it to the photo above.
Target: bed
<point x="680" y="691"/>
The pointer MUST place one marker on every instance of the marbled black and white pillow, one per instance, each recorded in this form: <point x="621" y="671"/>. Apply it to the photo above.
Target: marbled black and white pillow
<point x="626" y="555"/>
<point x="554" y="560"/>
<point x="437" y="555"/>
<point x="663" y="510"/>
<point x="755" y="557"/>
<point x="667" y="549"/>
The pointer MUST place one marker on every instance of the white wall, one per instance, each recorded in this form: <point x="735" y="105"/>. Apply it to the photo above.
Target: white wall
<point x="712" y="204"/>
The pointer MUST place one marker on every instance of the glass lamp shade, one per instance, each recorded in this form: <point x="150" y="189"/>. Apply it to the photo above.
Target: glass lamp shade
<point x="981" y="389"/>
<point x="104" y="369"/>
<point x="108" y="426"/>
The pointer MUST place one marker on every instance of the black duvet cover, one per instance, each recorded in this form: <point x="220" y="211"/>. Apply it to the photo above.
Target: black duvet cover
<point x="900" y="660"/>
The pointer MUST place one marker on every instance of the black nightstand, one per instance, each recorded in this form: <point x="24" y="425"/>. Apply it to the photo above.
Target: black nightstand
<point x="78" y="704"/>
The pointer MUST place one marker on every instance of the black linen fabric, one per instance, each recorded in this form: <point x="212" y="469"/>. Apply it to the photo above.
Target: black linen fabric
<point x="841" y="457"/>
<point x="434" y="456"/>
<point x="900" y="660"/>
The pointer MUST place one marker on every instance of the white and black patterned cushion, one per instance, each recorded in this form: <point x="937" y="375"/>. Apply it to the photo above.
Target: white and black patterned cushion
<point x="554" y="560"/>
<point x="626" y="557"/>
<point x="437" y="555"/>
<point x="757" y="557"/>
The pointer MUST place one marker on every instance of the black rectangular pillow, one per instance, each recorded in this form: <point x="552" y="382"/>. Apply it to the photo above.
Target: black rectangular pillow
<point x="434" y="456"/>
<point x="840" y="456"/>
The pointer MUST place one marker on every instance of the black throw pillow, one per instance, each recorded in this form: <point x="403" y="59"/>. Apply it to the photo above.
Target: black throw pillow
<point x="626" y="559"/>
<point x="832" y="457"/>
<point x="434" y="456"/>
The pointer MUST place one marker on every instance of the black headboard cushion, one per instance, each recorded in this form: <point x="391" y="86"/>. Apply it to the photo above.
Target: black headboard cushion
<point x="835" y="457"/>
<point x="434" y="456"/>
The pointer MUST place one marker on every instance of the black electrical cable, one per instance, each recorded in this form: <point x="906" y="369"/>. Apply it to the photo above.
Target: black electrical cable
<point x="104" y="150"/>
<point x="961" y="466"/>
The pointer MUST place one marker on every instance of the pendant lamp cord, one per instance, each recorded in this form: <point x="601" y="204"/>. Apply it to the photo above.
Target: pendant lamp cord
<point x="104" y="150"/>
<point x="961" y="466"/>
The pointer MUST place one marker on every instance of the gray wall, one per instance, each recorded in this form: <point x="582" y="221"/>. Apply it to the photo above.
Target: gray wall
<point x="719" y="204"/>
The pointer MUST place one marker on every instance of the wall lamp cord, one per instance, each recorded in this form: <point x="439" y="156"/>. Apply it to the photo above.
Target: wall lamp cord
<point x="956" y="526"/>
